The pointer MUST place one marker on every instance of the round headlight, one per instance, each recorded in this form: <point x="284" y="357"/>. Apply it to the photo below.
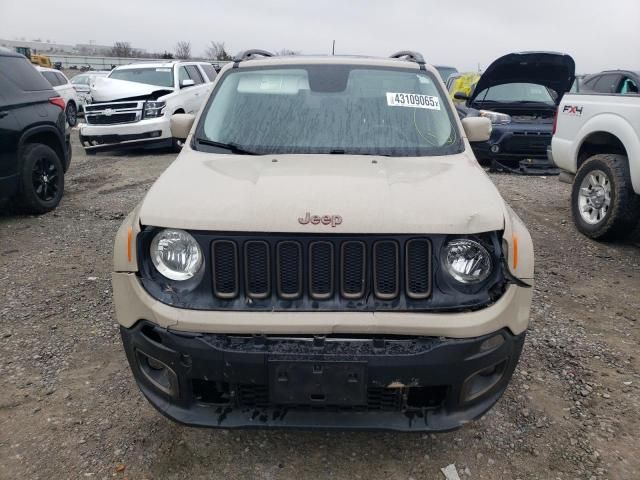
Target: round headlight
<point x="176" y="254"/>
<point x="467" y="261"/>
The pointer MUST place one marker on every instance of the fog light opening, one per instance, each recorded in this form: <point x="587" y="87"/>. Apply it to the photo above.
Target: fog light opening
<point x="495" y="148"/>
<point x="158" y="374"/>
<point x="155" y="364"/>
<point x="483" y="381"/>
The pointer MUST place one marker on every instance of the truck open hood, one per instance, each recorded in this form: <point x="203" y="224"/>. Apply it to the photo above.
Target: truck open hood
<point x="553" y="70"/>
<point x="104" y="89"/>
<point x="448" y="194"/>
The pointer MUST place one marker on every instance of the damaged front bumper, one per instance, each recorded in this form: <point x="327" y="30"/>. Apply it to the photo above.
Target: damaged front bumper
<point x="517" y="147"/>
<point x="148" y="133"/>
<point x="407" y="383"/>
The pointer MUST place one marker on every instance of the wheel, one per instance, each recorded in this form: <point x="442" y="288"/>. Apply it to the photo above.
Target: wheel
<point x="603" y="202"/>
<point x="72" y="114"/>
<point x="176" y="145"/>
<point x="41" y="179"/>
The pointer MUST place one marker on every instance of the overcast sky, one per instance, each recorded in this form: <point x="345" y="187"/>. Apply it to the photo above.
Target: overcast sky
<point x="463" y="33"/>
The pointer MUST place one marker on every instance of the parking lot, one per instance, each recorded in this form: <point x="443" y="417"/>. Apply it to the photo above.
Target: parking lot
<point x="572" y="410"/>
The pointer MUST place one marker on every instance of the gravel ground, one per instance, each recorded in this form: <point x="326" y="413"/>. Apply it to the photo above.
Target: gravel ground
<point x="69" y="407"/>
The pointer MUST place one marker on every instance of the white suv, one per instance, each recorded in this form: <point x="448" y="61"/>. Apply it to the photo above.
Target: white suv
<point x="65" y="89"/>
<point x="133" y="105"/>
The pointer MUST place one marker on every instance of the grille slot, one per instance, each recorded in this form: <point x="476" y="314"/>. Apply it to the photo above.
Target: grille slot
<point x="257" y="269"/>
<point x="386" y="278"/>
<point x="353" y="269"/>
<point x="253" y="395"/>
<point x="225" y="268"/>
<point x="289" y="265"/>
<point x="418" y="268"/>
<point x="98" y="107"/>
<point x="321" y="270"/>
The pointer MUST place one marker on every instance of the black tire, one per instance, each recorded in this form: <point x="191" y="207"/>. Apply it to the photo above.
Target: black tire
<point x="176" y="145"/>
<point x="72" y="114"/>
<point x="41" y="179"/>
<point x="620" y="218"/>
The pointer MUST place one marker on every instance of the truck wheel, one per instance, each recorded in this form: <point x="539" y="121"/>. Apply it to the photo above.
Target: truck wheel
<point x="41" y="179"/>
<point x="72" y="114"/>
<point x="603" y="202"/>
<point x="176" y="145"/>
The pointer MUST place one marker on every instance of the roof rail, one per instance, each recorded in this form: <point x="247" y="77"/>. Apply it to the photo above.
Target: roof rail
<point x="250" y="55"/>
<point x="411" y="56"/>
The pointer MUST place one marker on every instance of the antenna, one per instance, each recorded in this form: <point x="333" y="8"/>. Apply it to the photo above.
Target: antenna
<point x="333" y="50"/>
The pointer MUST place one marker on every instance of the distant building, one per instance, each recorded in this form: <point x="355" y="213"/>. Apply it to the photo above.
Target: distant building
<point x="40" y="47"/>
<point x="59" y="48"/>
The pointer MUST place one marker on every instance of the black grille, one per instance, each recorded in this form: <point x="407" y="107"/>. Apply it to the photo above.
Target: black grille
<point x="353" y="269"/>
<point x="378" y="398"/>
<point x="321" y="265"/>
<point x="418" y="268"/>
<point x="289" y="261"/>
<point x="385" y="269"/>
<point x="283" y="272"/>
<point x="225" y="268"/>
<point x="258" y="269"/>
<point x="111" y="119"/>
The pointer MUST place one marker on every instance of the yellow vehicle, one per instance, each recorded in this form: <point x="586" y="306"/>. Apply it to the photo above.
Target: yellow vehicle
<point x="36" y="58"/>
<point x="464" y="83"/>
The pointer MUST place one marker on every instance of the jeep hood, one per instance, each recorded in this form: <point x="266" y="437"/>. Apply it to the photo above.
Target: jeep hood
<point x="552" y="70"/>
<point x="204" y="191"/>
<point x="105" y="89"/>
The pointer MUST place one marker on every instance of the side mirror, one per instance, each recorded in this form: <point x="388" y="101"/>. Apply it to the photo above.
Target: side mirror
<point x="477" y="129"/>
<point x="461" y="96"/>
<point x="187" y="83"/>
<point x="181" y="124"/>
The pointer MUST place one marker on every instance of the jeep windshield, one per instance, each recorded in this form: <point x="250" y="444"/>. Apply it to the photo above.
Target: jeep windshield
<point x="160" y="76"/>
<point x="328" y="109"/>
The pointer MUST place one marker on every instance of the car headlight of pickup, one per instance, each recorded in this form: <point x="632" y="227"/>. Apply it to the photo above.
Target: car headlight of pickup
<point x="467" y="261"/>
<point x="176" y="254"/>
<point x="495" y="117"/>
<point x="153" y="109"/>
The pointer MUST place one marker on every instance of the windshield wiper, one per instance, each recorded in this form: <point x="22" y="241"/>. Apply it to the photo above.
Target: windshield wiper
<point x="232" y="147"/>
<point x="538" y="102"/>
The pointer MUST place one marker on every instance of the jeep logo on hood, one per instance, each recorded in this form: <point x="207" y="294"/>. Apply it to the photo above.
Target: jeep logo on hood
<point x="333" y="220"/>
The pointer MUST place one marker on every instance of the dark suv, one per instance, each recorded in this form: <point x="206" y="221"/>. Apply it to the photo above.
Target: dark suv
<point x="34" y="140"/>
<point x="612" y="81"/>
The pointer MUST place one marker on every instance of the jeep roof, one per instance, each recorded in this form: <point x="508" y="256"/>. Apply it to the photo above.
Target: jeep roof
<point x="408" y="59"/>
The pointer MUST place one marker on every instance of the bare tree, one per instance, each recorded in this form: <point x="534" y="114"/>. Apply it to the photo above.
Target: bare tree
<point x="285" y="51"/>
<point x="121" y="49"/>
<point x="183" y="50"/>
<point x="217" y="51"/>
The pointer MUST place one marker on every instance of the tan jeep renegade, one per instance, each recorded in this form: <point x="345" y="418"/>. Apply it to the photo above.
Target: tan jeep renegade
<point x="325" y="252"/>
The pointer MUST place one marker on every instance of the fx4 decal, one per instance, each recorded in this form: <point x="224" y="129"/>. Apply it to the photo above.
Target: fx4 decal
<point x="572" y="110"/>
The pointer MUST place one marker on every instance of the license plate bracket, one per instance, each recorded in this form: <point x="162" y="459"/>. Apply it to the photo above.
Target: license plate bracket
<point x="317" y="383"/>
